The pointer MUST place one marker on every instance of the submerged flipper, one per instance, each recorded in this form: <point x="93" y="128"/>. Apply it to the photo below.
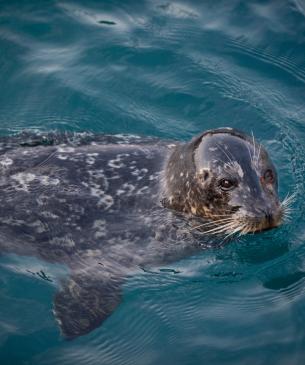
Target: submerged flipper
<point x="84" y="302"/>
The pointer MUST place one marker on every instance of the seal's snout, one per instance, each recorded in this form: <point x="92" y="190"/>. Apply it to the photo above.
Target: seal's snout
<point x="269" y="218"/>
<point x="261" y="219"/>
<point x="273" y="218"/>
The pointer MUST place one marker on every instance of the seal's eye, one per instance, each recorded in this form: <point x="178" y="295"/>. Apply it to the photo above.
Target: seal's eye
<point x="268" y="176"/>
<point x="227" y="184"/>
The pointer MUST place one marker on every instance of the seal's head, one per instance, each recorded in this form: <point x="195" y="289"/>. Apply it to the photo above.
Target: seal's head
<point x="227" y="177"/>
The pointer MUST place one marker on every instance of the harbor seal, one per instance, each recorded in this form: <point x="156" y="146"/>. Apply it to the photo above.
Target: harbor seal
<point x="107" y="205"/>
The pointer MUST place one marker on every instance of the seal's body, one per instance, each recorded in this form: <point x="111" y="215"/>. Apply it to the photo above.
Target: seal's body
<point x="99" y="206"/>
<point x="71" y="197"/>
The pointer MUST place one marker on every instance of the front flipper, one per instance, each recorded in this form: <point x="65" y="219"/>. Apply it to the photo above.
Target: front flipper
<point x="84" y="302"/>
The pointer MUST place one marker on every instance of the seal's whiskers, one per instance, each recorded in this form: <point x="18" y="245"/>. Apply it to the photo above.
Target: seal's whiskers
<point x="258" y="154"/>
<point x="239" y="229"/>
<point x="286" y="206"/>
<point x="253" y="142"/>
<point x="213" y="223"/>
<point x="223" y="150"/>
<point x="250" y="154"/>
<point x="288" y="200"/>
<point x="223" y="228"/>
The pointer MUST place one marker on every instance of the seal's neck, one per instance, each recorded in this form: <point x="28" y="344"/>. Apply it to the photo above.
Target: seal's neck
<point x="180" y="179"/>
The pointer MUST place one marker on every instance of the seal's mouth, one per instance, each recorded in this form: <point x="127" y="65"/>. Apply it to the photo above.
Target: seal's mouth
<point x="263" y="224"/>
<point x="240" y="224"/>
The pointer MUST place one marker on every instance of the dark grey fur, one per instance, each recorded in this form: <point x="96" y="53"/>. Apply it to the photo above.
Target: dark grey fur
<point x="92" y="203"/>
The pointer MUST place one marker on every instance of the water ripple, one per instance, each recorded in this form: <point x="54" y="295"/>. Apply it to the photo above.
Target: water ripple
<point x="171" y="70"/>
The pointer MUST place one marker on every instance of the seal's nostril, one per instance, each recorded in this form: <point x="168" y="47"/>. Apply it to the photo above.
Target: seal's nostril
<point x="269" y="217"/>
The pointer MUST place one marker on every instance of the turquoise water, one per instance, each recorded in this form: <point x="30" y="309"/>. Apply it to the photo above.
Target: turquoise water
<point x="171" y="70"/>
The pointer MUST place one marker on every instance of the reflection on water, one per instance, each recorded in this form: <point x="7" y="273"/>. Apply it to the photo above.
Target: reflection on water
<point x="166" y="69"/>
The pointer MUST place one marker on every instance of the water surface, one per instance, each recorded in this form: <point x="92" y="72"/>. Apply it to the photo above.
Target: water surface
<point x="171" y="70"/>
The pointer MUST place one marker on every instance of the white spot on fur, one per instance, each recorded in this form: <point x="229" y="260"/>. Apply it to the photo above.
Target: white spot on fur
<point x="142" y="190"/>
<point x="46" y="180"/>
<point x="126" y="189"/>
<point x="12" y="221"/>
<point x="153" y="177"/>
<point x="6" y="162"/>
<point x="66" y="149"/>
<point x="63" y="241"/>
<point x="23" y="179"/>
<point x="47" y="214"/>
<point x="115" y="163"/>
<point x="140" y="173"/>
<point x="100" y="226"/>
<point x="105" y="200"/>
<point x="39" y="226"/>
<point x="90" y="160"/>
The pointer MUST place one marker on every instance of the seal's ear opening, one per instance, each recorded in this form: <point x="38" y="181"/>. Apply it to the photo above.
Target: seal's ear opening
<point x="203" y="176"/>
